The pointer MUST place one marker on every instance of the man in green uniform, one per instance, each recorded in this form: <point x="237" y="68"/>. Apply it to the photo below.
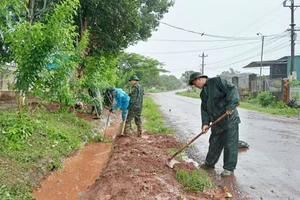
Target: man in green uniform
<point x="96" y="101"/>
<point x="135" y="106"/>
<point x="219" y="96"/>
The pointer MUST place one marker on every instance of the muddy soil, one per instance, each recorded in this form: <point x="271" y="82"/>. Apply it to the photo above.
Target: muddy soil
<point x="138" y="169"/>
<point x="128" y="168"/>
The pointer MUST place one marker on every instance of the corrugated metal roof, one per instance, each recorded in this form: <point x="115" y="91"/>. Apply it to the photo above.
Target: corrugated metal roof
<point x="266" y="63"/>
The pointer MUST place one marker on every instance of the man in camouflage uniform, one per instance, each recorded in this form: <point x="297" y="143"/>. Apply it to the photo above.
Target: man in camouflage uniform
<point x="219" y="96"/>
<point x="135" y="106"/>
<point x="96" y="101"/>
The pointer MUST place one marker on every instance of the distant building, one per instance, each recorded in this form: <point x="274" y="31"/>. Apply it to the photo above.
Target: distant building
<point x="7" y="79"/>
<point x="280" y="68"/>
<point x="241" y="80"/>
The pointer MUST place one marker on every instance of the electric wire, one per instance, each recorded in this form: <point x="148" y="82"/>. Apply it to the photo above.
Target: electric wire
<point x="249" y="51"/>
<point x="208" y="35"/>
<point x="258" y="19"/>
<point x="192" y="51"/>
<point x="282" y="46"/>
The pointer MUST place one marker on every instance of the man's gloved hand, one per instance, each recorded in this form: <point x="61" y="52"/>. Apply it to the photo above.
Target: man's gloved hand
<point x="110" y="110"/>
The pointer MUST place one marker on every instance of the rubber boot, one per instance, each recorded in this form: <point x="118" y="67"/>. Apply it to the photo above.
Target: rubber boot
<point x="127" y="130"/>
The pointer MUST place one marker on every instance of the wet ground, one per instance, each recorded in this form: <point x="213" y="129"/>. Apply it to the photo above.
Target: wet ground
<point x="132" y="168"/>
<point x="269" y="169"/>
<point x="82" y="169"/>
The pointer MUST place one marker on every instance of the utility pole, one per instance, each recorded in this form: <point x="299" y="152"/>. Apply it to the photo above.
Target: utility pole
<point x="203" y="56"/>
<point x="292" y="7"/>
<point x="261" y="58"/>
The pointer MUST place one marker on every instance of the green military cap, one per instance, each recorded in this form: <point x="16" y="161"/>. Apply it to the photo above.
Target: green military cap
<point x="194" y="76"/>
<point x="133" y="77"/>
<point x="111" y="89"/>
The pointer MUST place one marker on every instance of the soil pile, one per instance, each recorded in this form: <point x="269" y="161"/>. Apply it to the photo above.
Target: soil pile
<point x="137" y="169"/>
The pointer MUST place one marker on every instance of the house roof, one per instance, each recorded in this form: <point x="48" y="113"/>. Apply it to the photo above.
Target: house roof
<point x="266" y="63"/>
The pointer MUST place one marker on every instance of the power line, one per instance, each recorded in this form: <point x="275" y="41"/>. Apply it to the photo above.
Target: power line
<point x="263" y="16"/>
<point x="249" y="51"/>
<point x="193" y="41"/>
<point x="193" y="51"/>
<point x="277" y="35"/>
<point x="246" y="27"/>
<point x="266" y="52"/>
<point x="205" y="34"/>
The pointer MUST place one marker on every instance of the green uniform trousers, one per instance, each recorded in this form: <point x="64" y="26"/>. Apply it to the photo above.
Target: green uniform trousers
<point x="228" y="140"/>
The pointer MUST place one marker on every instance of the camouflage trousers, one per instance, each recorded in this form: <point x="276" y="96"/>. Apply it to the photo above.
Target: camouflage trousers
<point x="136" y="115"/>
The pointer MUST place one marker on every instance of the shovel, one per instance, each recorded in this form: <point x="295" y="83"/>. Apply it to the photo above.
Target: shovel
<point x="195" y="138"/>
<point x="106" y="124"/>
<point x="124" y="122"/>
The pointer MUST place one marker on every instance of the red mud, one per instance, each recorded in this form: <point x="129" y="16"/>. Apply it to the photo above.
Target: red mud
<point x="130" y="168"/>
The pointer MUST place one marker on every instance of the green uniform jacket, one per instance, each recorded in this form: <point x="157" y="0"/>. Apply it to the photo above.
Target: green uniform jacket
<point x="136" y="97"/>
<point x="217" y="96"/>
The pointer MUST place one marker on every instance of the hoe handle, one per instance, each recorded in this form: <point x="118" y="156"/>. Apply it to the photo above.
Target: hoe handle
<point x="195" y="138"/>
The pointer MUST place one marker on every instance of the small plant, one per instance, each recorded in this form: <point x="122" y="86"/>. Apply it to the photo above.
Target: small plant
<point x="195" y="181"/>
<point x="245" y="92"/>
<point x="265" y="98"/>
<point x="292" y="103"/>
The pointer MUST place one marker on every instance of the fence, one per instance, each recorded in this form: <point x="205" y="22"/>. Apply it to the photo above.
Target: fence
<point x="295" y="93"/>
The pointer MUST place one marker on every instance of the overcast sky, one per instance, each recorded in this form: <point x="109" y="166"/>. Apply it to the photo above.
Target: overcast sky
<point x="219" y="20"/>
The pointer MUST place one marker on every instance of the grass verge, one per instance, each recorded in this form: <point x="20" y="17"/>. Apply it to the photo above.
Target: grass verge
<point x="189" y="94"/>
<point x="155" y="122"/>
<point x="32" y="147"/>
<point x="281" y="110"/>
<point x="195" y="181"/>
<point x="286" y="111"/>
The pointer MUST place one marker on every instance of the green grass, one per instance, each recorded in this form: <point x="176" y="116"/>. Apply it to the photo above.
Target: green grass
<point x="195" y="181"/>
<point x="253" y="105"/>
<point x="286" y="111"/>
<point x="32" y="147"/>
<point x="155" y="121"/>
<point x="154" y="90"/>
<point x="189" y="94"/>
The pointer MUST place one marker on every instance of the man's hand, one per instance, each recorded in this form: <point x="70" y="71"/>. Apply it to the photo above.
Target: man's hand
<point x="205" y="128"/>
<point x="229" y="112"/>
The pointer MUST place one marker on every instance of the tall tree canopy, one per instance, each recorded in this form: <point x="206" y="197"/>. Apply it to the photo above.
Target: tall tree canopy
<point x="147" y="69"/>
<point x="91" y="33"/>
<point x="113" y="24"/>
<point x="185" y="77"/>
<point x="231" y="71"/>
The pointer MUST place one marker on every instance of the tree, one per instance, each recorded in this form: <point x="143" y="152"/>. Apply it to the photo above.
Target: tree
<point x="32" y="46"/>
<point x="147" y="69"/>
<point x="185" y="77"/>
<point x="231" y="71"/>
<point x="168" y="82"/>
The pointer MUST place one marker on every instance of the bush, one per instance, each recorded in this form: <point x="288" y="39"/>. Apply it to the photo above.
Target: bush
<point x="266" y="98"/>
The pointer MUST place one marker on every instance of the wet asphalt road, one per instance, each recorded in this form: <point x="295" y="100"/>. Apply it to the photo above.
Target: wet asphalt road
<point x="269" y="169"/>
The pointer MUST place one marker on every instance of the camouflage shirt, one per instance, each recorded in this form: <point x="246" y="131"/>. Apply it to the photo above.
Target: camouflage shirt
<point x="136" y="97"/>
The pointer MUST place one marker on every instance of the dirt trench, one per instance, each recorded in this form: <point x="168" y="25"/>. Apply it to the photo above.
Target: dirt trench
<point x="130" y="168"/>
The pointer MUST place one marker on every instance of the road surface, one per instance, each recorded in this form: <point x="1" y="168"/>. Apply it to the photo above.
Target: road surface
<point x="269" y="169"/>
